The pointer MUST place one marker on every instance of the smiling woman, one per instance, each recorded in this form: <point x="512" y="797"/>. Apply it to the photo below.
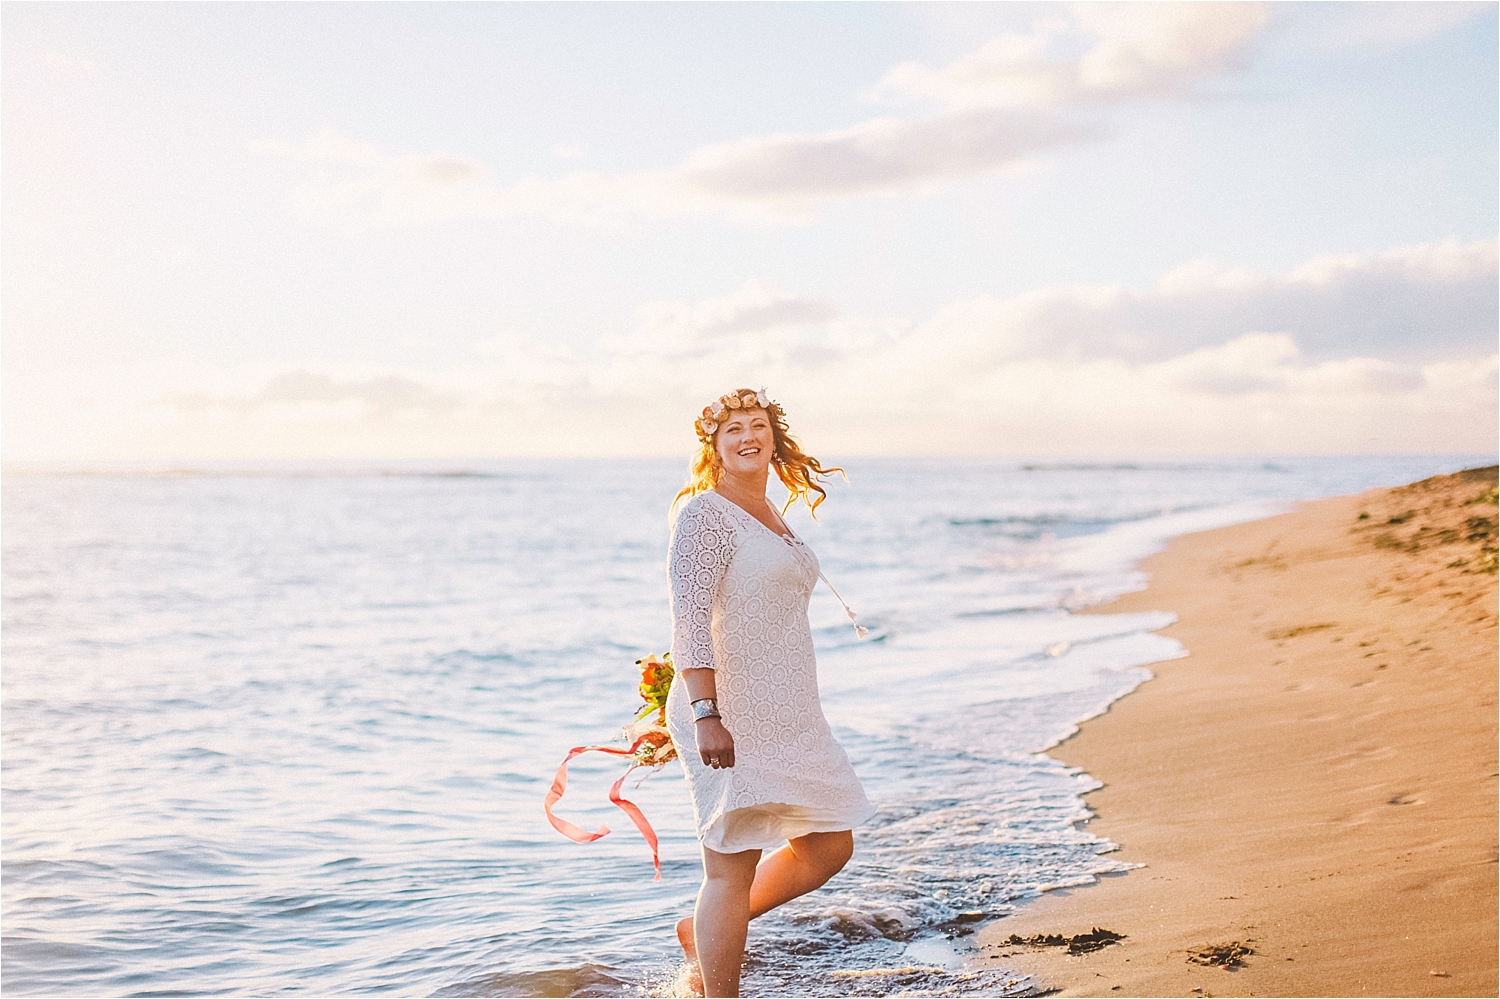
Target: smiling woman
<point x="763" y="767"/>
<point x="742" y="413"/>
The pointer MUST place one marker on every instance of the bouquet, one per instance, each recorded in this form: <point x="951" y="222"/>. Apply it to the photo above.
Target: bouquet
<point x="650" y="746"/>
<point x="651" y="741"/>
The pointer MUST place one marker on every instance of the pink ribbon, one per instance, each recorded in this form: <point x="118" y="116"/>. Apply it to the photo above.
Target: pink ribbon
<point x="577" y="835"/>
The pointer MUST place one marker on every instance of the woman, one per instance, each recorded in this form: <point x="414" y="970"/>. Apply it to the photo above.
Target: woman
<point x="762" y="765"/>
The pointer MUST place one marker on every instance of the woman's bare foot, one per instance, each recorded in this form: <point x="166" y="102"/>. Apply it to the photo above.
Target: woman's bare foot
<point x="691" y="975"/>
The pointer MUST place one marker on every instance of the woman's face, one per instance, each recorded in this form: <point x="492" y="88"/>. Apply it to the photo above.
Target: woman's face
<point x="745" y="441"/>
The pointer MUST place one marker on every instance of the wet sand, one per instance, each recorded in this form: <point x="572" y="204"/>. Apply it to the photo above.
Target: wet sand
<point x="1312" y="791"/>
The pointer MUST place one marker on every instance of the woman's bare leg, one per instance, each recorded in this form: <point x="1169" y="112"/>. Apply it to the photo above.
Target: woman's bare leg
<point x="804" y="864"/>
<point x="722" y="919"/>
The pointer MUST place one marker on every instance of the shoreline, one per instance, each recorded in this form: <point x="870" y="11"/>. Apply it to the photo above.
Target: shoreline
<point x="1310" y="794"/>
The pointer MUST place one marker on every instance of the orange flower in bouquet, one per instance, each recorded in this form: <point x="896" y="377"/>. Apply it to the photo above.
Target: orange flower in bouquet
<point x="656" y="683"/>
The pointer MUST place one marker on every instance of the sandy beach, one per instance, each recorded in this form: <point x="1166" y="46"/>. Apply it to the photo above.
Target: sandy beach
<point x="1311" y="792"/>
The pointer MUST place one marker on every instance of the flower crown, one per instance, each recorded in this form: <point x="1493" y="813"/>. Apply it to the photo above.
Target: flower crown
<point x="718" y="411"/>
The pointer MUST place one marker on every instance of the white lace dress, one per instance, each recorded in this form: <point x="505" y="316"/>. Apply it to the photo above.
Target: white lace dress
<point x="739" y="606"/>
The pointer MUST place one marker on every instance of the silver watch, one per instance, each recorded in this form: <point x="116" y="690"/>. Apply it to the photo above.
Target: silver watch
<point x="705" y="707"/>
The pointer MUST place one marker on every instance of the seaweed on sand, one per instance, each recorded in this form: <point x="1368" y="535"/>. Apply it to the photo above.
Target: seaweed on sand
<point x="1227" y="955"/>
<point x="1082" y="943"/>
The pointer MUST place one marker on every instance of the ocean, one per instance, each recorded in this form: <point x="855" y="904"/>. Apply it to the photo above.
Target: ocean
<point x="277" y="729"/>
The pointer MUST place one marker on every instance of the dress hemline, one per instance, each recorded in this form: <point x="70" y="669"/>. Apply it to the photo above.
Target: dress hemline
<point x="768" y="825"/>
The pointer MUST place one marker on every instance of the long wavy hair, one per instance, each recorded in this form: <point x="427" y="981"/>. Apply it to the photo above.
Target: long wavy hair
<point x="800" y="472"/>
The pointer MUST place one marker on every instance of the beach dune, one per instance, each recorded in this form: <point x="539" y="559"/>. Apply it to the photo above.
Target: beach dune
<point x="1311" y="793"/>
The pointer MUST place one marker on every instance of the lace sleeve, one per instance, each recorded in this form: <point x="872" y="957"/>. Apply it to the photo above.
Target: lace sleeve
<point x="702" y="545"/>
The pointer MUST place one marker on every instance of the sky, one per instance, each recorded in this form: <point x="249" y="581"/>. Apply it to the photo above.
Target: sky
<point x="446" y="231"/>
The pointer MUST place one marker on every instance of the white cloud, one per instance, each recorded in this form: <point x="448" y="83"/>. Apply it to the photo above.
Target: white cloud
<point x="1255" y="393"/>
<point x="1188" y="365"/>
<point x="294" y="395"/>
<point x="748" y="334"/>
<point x="1124" y="51"/>
<point x="354" y="178"/>
<point x="1106" y="53"/>
<point x="1255" y="362"/>
<point x="1273" y="363"/>
<point x="1447" y="263"/>
<point x="1274" y="404"/>
<point x="1423" y="300"/>
<point x="763" y="178"/>
<point x="754" y="308"/>
<point x="875" y="157"/>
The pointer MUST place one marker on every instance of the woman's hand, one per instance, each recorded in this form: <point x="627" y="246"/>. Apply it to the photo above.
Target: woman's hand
<point x="715" y="744"/>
